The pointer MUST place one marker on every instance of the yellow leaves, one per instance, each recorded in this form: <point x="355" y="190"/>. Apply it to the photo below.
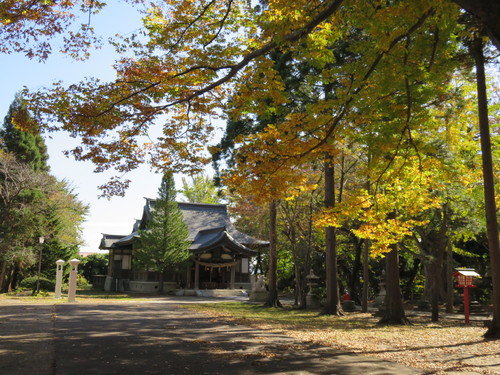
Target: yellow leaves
<point x="302" y="185"/>
<point x="352" y="207"/>
<point x="386" y="232"/>
<point x="390" y="214"/>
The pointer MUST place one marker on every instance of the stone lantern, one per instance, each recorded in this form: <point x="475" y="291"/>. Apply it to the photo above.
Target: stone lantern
<point x="312" y="281"/>
<point x="59" y="272"/>
<point x="73" y="273"/>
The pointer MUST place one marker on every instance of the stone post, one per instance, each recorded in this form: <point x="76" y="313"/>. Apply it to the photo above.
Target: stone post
<point x="59" y="272"/>
<point x="73" y="273"/>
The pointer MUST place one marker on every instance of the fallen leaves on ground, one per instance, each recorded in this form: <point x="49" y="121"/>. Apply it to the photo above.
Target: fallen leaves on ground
<point x="437" y="348"/>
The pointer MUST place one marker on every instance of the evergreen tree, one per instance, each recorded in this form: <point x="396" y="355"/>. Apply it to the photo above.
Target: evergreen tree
<point x="29" y="147"/>
<point x="200" y="190"/>
<point x="32" y="202"/>
<point x="164" y="244"/>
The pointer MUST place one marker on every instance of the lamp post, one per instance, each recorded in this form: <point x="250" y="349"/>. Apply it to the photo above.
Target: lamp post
<point x="41" y="240"/>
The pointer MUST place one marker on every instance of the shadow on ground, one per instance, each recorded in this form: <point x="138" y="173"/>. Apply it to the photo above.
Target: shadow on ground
<point x="158" y="338"/>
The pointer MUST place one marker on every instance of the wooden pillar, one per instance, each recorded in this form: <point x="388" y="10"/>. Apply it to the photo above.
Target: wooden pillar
<point x="196" y="276"/>
<point x="188" y="276"/>
<point x="111" y="261"/>
<point x="233" y="276"/>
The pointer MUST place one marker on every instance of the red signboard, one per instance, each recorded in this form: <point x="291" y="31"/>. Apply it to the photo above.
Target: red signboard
<point x="465" y="278"/>
<point x="465" y="281"/>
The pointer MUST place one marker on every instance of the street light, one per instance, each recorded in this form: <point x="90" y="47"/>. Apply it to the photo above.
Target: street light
<point x="41" y="240"/>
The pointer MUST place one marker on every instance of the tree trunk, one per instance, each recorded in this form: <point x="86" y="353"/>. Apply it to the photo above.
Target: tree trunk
<point x="303" y="292"/>
<point x="307" y="259"/>
<point x="366" y="256"/>
<point x="435" y="270"/>
<point x="493" y="331"/>
<point x="298" y="277"/>
<point x="394" y="310"/>
<point x="2" y="276"/>
<point x="12" y="273"/>
<point x="353" y="286"/>
<point x="333" y="306"/>
<point x="272" y="296"/>
<point x="160" y="282"/>
<point x="449" y="278"/>
<point x="435" y="247"/>
<point x="366" y="276"/>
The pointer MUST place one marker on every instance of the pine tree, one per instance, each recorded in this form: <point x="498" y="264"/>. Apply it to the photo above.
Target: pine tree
<point x="28" y="147"/>
<point x="163" y="245"/>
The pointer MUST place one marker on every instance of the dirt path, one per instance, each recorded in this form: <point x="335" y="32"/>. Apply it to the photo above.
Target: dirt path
<point x="157" y="338"/>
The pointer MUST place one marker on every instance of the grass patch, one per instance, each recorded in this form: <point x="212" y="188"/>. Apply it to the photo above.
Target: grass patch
<point x="287" y="317"/>
<point x="99" y="294"/>
<point x="83" y="295"/>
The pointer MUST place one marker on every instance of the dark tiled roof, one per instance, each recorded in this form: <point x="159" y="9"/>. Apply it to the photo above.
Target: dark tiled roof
<point x="109" y="240"/>
<point x="201" y="217"/>
<point x="208" y="225"/>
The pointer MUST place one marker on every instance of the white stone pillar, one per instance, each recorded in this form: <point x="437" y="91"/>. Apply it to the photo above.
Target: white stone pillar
<point x="73" y="273"/>
<point x="59" y="273"/>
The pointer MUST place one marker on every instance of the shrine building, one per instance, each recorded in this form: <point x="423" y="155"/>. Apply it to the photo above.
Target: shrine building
<point x="221" y="255"/>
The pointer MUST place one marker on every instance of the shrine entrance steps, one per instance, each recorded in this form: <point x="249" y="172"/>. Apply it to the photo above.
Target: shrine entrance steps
<point x="212" y="292"/>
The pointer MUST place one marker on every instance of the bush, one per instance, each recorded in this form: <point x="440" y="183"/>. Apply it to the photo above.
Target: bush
<point x="81" y="282"/>
<point x="94" y="264"/>
<point x="30" y="283"/>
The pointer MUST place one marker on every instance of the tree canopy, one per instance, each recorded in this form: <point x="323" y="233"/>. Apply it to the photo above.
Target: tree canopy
<point x="375" y="77"/>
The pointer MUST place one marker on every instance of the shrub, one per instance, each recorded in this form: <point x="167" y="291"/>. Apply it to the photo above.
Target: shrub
<point x="82" y="282"/>
<point x="30" y="283"/>
<point x="94" y="264"/>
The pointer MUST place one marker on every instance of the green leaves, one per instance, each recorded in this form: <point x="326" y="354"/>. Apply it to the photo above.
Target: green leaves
<point x="164" y="243"/>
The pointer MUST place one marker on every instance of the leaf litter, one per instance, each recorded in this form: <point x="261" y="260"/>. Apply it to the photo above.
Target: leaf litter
<point x="434" y="347"/>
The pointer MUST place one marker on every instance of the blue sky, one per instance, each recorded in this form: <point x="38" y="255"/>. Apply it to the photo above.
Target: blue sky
<point x="116" y="215"/>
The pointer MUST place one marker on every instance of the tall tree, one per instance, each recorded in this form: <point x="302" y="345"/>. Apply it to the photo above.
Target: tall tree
<point x="164" y="243"/>
<point x="21" y="216"/>
<point x="20" y="135"/>
<point x="333" y="305"/>
<point x="55" y="211"/>
<point x="489" y="185"/>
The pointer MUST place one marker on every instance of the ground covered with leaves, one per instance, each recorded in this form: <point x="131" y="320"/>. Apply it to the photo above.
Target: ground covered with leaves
<point x="449" y="346"/>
